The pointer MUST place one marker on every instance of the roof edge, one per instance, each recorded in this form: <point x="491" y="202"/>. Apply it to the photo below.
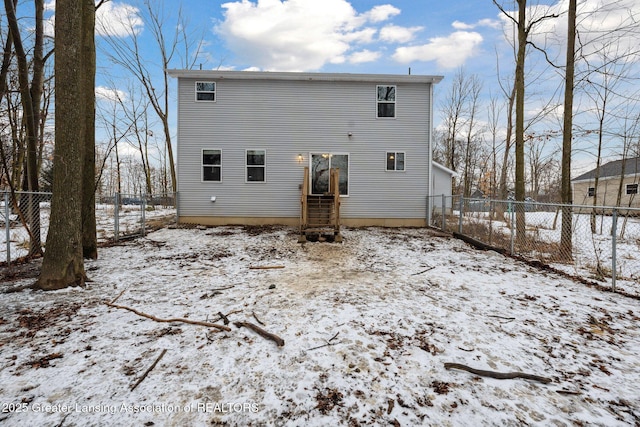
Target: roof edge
<point x="444" y="168"/>
<point x="302" y="76"/>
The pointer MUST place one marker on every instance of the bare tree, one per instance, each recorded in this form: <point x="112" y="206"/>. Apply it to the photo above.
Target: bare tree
<point x="89" y="233"/>
<point x="524" y="25"/>
<point x="125" y="52"/>
<point x="566" y="235"/>
<point x="454" y="111"/>
<point x="471" y="158"/>
<point x="31" y="97"/>
<point x="63" y="263"/>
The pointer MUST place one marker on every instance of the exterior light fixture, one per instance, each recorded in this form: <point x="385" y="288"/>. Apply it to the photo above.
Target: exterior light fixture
<point x="300" y="158"/>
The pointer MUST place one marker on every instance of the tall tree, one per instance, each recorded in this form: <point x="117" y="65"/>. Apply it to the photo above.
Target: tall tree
<point x="89" y="234"/>
<point x="126" y="52"/>
<point x="471" y="147"/>
<point x="30" y="97"/>
<point x="63" y="263"/>
<point x="566" y="237"/>
<point x="524" y="26"/>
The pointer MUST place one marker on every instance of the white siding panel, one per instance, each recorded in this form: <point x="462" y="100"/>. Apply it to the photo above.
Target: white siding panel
<point x="287" y="118"/>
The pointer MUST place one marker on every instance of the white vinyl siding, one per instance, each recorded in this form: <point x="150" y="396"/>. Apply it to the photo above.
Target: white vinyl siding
<point x="310" y="116"/>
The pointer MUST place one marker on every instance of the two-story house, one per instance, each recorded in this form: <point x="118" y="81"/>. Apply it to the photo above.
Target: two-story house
<point x="248" y="142"/>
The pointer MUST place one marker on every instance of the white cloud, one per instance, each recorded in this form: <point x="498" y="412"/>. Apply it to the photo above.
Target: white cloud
<point x="110" y="94"/>
<point x="112" y="19"/>
<point x="364" y="56"/>
<point x="397" y="34"/>
<point x="381" y="13"/>
<point x="297" y="35"/>
<point x="491" y="23"/>
<point x="118" y="19"/>
<point x="448" y="52"/>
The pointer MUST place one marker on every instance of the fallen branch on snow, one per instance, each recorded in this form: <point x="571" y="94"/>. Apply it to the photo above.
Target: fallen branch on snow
<point x="148" y="370"/>
<point x="423" y="271"/>
<point x="265" y="267"/>
<point x="327" y="344"/>
<point x="498" y="375"/>
<point x="256" y="317"/>
<point x="260" y="331"/>
<point x="149" y="316"/>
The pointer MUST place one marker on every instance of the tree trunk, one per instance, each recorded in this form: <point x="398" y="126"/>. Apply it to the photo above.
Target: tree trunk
<point x="63" y="263"/>
<point x="89" y="234"/>
<point x="31" y="108"/>
<point x="519" y="86"/>
<point x="566" y="236"/>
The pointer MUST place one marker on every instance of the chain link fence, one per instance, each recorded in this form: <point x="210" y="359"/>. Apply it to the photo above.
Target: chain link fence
<point x="24" y="219"/>
<point x="597" y="242"/>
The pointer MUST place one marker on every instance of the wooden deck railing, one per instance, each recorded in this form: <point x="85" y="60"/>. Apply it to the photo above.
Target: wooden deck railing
<point x="304" y="220"/>
<point x="335" y="190"/>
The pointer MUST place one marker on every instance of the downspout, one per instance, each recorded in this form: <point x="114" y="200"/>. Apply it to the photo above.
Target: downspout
<point x="430" y="156"/>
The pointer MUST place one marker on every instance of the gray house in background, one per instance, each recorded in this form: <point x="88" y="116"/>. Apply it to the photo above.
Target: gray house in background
<point x="616" y="177"/>
<point x="246" y="140"/>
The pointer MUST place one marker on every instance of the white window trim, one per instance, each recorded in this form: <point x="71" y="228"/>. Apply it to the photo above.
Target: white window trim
<point x="386" y="154"/>
<point x="395" y="103"/>
<point x="202" y="165"/>
<point x="246" y="166"/>
<point x="334" y="153"/>
<point x="215" y="92"/>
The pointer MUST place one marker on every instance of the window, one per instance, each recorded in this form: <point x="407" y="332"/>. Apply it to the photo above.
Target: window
<point x="386" y="101"/>
<point x="632" y="188"/>
<point x="206" y="91"/>
<point x="212" y="165"/>
<point x="591" y="192"/>
<point x="395" y="161"/>
<point x="256" y="165"/>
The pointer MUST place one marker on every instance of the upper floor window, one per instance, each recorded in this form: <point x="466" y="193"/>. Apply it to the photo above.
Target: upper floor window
<point x="591" y="192"/>
<point x="395" y="161"/>
<point x="632" y="188"/>
<point x="206" y="91"/>
<point x="386" y="101"/>
<point x="256" y="165"/>
<point x="212" y="165"/>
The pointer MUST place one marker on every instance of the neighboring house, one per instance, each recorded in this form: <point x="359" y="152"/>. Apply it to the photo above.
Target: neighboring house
<point x="246" y="140"/>
<point x="609" y="184"/>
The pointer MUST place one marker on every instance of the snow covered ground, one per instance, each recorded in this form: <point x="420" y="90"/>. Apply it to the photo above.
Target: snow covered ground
<point x="129" y="222"/>
<point x="367" y="324"/>
<point x="589" y="249"/>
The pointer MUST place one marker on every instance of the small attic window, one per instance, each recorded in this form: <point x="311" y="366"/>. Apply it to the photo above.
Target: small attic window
<point x="206" y="91"/>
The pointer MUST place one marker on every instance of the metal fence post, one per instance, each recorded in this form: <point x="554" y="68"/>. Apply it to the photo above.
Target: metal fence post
<point x="512" y="220"/>
<point x="116" y="214"/>
<point x="614" y="232"/>
<point x="7" y="224"/>
<point x="444" y="212"/>
<point x="144" y="208"/>
<point x="460" y="219"/>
